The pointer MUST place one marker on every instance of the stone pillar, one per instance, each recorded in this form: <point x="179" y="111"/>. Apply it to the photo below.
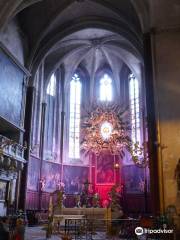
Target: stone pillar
<point x="62" y="121"/>
<point x="166" y="50"/>
<point x="156" y="194"/>
<point x="42" y="134"/>
<point x="27" y="134"/>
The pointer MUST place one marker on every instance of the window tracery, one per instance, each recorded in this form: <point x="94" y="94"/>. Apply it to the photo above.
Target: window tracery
<point x="134" y="108"/>
<point x="74" y="120"/>
<point x="51" y="88"/>
<point x="105" y="88"/>
<point x="50" y="153"/>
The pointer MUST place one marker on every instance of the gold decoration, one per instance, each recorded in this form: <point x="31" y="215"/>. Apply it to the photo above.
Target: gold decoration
<point x="104" y="130"/>
<point x="139" y="154"/>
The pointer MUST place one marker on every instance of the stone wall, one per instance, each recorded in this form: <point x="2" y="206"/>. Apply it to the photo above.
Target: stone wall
<point x="167" y="92"/>
<point x="14" y="40"/>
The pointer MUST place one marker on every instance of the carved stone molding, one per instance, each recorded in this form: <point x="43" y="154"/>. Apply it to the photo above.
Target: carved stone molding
<point x="11" y="155"/>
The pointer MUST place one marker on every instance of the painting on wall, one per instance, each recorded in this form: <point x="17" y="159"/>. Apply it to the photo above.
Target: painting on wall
<point x="105" y="172"/>
<point x="51" y="176"/>
<point x="74" y="178"/>
<point x="133" y="178"/>
<point x="3" y="186"/>
<point x="33" y="174"/>
<point x="11" y="90"/>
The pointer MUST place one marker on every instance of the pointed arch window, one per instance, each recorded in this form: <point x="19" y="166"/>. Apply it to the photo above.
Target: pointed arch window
<point x="105" y="88"/>
<point x="51" y="88"/>
<point x="50" y="120"/>
<point x="134" y="108"/>
<point x="74" y="121"/>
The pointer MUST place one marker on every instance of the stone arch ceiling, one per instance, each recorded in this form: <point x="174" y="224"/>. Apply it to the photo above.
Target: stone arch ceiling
<point x="151" y="13"/>
<point x="48" y="14"/>
<point x="92" y="49"/>
<point x="42" y="21"/>
<point x="9" y="8"/>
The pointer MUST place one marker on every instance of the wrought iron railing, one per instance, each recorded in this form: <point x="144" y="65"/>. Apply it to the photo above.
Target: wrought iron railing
<point x="101" y="229"/>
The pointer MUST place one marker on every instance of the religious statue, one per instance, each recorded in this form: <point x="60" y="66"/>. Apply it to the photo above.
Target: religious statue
<point x="177" y="175"/>
<point x="42" y="184"/>
<point x="115" y="198"/>
<point x="96" y="200"/>
<point x="77" y="201"/>
<point x="85" y="196"/>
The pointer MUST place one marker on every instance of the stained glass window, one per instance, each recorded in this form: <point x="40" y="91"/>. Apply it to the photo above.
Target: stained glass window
<point x="50" y="126"/>
<point x="134" y="108"/>
<point x="74" y="121"/>
<point x="51" y="88"/>
<point x="105" y="88"/>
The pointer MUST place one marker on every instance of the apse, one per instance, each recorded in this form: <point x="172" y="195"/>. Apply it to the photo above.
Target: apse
<point x="86" y="117"/>
<point x="91" y="105"/>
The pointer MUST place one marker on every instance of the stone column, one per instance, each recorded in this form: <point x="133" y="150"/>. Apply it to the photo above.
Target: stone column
<point x="42" y="134"/>
<point x="27" y="135"/>
<point x="62" y="121"/>
<point x="155" y="177"/>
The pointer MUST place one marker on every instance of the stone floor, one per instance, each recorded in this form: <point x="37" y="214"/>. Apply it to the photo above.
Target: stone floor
<point x="37" y="233"/>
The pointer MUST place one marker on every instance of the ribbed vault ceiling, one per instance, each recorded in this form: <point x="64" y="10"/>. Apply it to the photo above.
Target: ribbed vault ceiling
<point x="93" y="50"/>
<point x="90" y="34"/>
<point x="46" y="22"/>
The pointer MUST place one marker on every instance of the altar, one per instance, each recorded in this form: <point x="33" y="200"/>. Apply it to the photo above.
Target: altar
<point x="60" y="221"/>
<point x="80" y="219"/>
<point x="64" y="216"/>
<point x="88" y="213"/>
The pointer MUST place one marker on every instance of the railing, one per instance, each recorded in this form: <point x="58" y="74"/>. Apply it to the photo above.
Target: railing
<point x="101" y="229"/>
<point x="11" y="154"/>
<point x="11" y="148"/>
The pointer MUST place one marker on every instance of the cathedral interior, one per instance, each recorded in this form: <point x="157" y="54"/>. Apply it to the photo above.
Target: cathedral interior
<point x="89" y="119"/>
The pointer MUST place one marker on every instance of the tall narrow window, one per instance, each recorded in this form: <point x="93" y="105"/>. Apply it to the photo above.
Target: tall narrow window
<point x="74" y="121"/>
<point x="105" y="88"/>
<point x="51" y="88"/>
<point x="134" y="108"/>
<point x="50" y="125"/>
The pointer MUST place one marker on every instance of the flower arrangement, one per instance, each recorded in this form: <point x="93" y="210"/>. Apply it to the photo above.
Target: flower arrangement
<point x="85" y="196"/>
